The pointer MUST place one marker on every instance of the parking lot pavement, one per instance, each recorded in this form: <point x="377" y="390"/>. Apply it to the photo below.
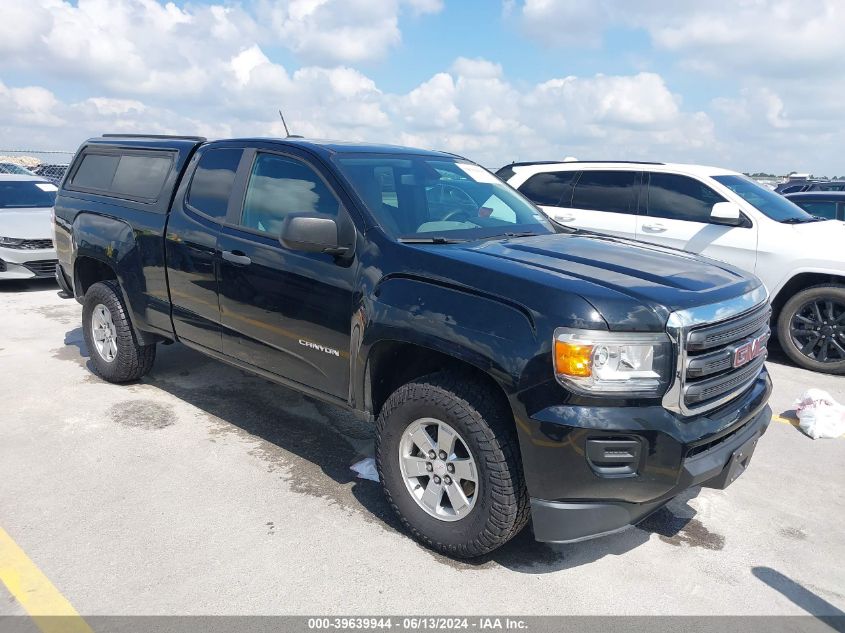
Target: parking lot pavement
<point x="203" y="489"/>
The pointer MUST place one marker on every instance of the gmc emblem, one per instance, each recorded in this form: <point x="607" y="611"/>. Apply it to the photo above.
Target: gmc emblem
<point x="747" y="352"/>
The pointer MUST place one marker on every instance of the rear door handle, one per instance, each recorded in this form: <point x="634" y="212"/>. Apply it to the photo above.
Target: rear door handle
<point x="654" y="228"/>
<point x="237" y="257"/>
<point x="565" y="218"/>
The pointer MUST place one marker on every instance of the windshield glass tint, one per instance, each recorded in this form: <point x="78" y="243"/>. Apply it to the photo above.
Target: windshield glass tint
<point x="417" y="196"/>
<point x="772" y="204"/>
<point x="19" y="194"/>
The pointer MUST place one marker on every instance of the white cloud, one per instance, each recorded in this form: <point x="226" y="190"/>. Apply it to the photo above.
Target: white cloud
<point x="30" y="105"/>
<point x="247" y="61"/>
<point x="153" y="66"/>
<point x="775" y="66"/>
<point x="476" y="68"/>
<point x="771" y="37"/>
<point x="160" y="67"/>
<point x="149" y="46"/>
<point x="561" y="22"/>
<point x="335" y="31"/>
<point x="420" y="7"/>
<point x="641" y="100"/>
<point x="127" y="46"/>
<point x="108" y="107"/>
<point x="429" y="106"/>
<point x="471" y="109"/>
<point x="776" y="38"/>
<point x="754" y="105"/>
<point x="340" y="31"/>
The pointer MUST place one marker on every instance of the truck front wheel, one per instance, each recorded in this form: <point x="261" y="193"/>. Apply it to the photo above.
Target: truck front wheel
<point x="448" y="460"/>
<point x="114" y="350"/>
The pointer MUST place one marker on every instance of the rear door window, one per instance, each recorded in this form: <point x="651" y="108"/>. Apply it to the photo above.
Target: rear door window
<point x="676" y="197"/>
<point x="96" y="171"/>
<point x="141" y="176"/>
<point x="212" y="182"/>
<point x="611" y="191"/>
<point x="552" y="189"/>
<point x="131" y="175"/>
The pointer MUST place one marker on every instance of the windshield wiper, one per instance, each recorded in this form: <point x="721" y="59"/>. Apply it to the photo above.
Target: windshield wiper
<point x="515" y="234"/>
<point x="437" y="239"/>
<point x="812" y="218"/>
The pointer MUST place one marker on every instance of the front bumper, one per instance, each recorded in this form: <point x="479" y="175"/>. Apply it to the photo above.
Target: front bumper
<point x="576" y="496"/>
<point x="27" y="263"/>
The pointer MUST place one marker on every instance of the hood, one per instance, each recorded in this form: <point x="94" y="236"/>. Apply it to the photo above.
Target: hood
<point x="631" y="284"/>
<point x="27" y="224"/>
<point x="819" y="237"/>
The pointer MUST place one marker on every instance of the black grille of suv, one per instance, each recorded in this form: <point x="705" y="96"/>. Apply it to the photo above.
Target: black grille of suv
<point x="712" y="351"/>
<point x="32" y="245"/>
<point x="42" y="268"/>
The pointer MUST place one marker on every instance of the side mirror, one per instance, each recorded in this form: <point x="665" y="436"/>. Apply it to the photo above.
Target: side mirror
<point x="312" y="234"/>
<point x="727" y="214"/>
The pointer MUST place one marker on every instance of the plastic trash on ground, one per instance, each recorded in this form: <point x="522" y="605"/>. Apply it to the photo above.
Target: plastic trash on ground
<point x="366" y="469"/>
<point x="819" y="415"/>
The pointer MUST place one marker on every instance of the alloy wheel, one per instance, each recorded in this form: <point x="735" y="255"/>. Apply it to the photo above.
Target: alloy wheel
<point x="104" y="333"/>
<point x="818" y="330"/>
<point x="438" y="469"/>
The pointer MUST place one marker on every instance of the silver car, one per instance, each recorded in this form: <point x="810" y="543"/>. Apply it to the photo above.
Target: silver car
<point x="26" y="227"/>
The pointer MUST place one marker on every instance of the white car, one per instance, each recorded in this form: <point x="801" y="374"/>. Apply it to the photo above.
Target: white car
<point x="26" y="227"/>
<point x="720" y="214"/>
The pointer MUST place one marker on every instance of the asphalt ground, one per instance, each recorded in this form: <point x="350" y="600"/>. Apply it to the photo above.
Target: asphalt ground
<point x="205" y="490"/>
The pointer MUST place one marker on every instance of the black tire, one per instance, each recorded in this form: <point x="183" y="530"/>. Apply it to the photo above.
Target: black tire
<point x="793" y="307"/>
<point x="131" y="360"/>
<point x="483" y="420"/>
<point x="63" y="282"/>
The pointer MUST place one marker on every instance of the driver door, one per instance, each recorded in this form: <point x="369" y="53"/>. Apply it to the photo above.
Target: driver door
<point x="284" y="311"/>
<point x="678" y="215"/>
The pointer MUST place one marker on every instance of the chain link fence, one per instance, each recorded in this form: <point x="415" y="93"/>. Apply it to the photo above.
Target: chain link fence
<point x="50" y="165"/>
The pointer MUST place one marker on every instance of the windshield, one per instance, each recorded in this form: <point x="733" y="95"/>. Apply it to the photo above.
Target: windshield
<point x="770" y="203"/>
<point x="428" y="198"/>
<point x="19" y="194"/>
<point x="12" y="168"/>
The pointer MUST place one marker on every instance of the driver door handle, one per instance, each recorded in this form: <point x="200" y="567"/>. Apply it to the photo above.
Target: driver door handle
<point x="237" y="257"/>
<point x="565" y="218"/>
<point x="654" y="228"/>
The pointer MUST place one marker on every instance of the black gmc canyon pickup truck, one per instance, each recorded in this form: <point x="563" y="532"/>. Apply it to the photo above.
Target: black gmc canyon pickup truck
<point x="512" y="367"/>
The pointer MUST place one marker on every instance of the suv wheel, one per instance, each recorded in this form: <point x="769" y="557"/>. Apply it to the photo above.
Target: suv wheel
<point x="448" y="460"/>
<point x="115" y="353"/>
<point x="811" y="329"/>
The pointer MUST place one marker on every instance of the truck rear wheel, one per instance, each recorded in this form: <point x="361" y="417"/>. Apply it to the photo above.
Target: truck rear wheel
<point x="448" y="459"/>
<point x="114" y="350"/>
<point x="811" y="329"/>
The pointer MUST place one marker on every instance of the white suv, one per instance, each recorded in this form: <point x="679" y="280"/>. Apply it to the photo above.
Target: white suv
<point x="720" y="214"/>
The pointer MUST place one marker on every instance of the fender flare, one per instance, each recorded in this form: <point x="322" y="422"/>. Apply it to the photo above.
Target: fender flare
<point x="112" y="242"/>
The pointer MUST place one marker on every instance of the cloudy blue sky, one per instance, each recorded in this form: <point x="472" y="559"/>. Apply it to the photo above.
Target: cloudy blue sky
<point x="746" y="84"/>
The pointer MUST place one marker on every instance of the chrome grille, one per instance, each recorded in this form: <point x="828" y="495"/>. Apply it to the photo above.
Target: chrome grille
<point x="705" y="376"/>
<point x="727" y="382"/>
<point x="721" y="334"/>
<point x="710" y="375"/>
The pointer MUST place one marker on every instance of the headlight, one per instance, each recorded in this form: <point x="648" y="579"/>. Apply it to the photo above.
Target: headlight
<point x="612" y="363"/>
<point x="10" y="242"/>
